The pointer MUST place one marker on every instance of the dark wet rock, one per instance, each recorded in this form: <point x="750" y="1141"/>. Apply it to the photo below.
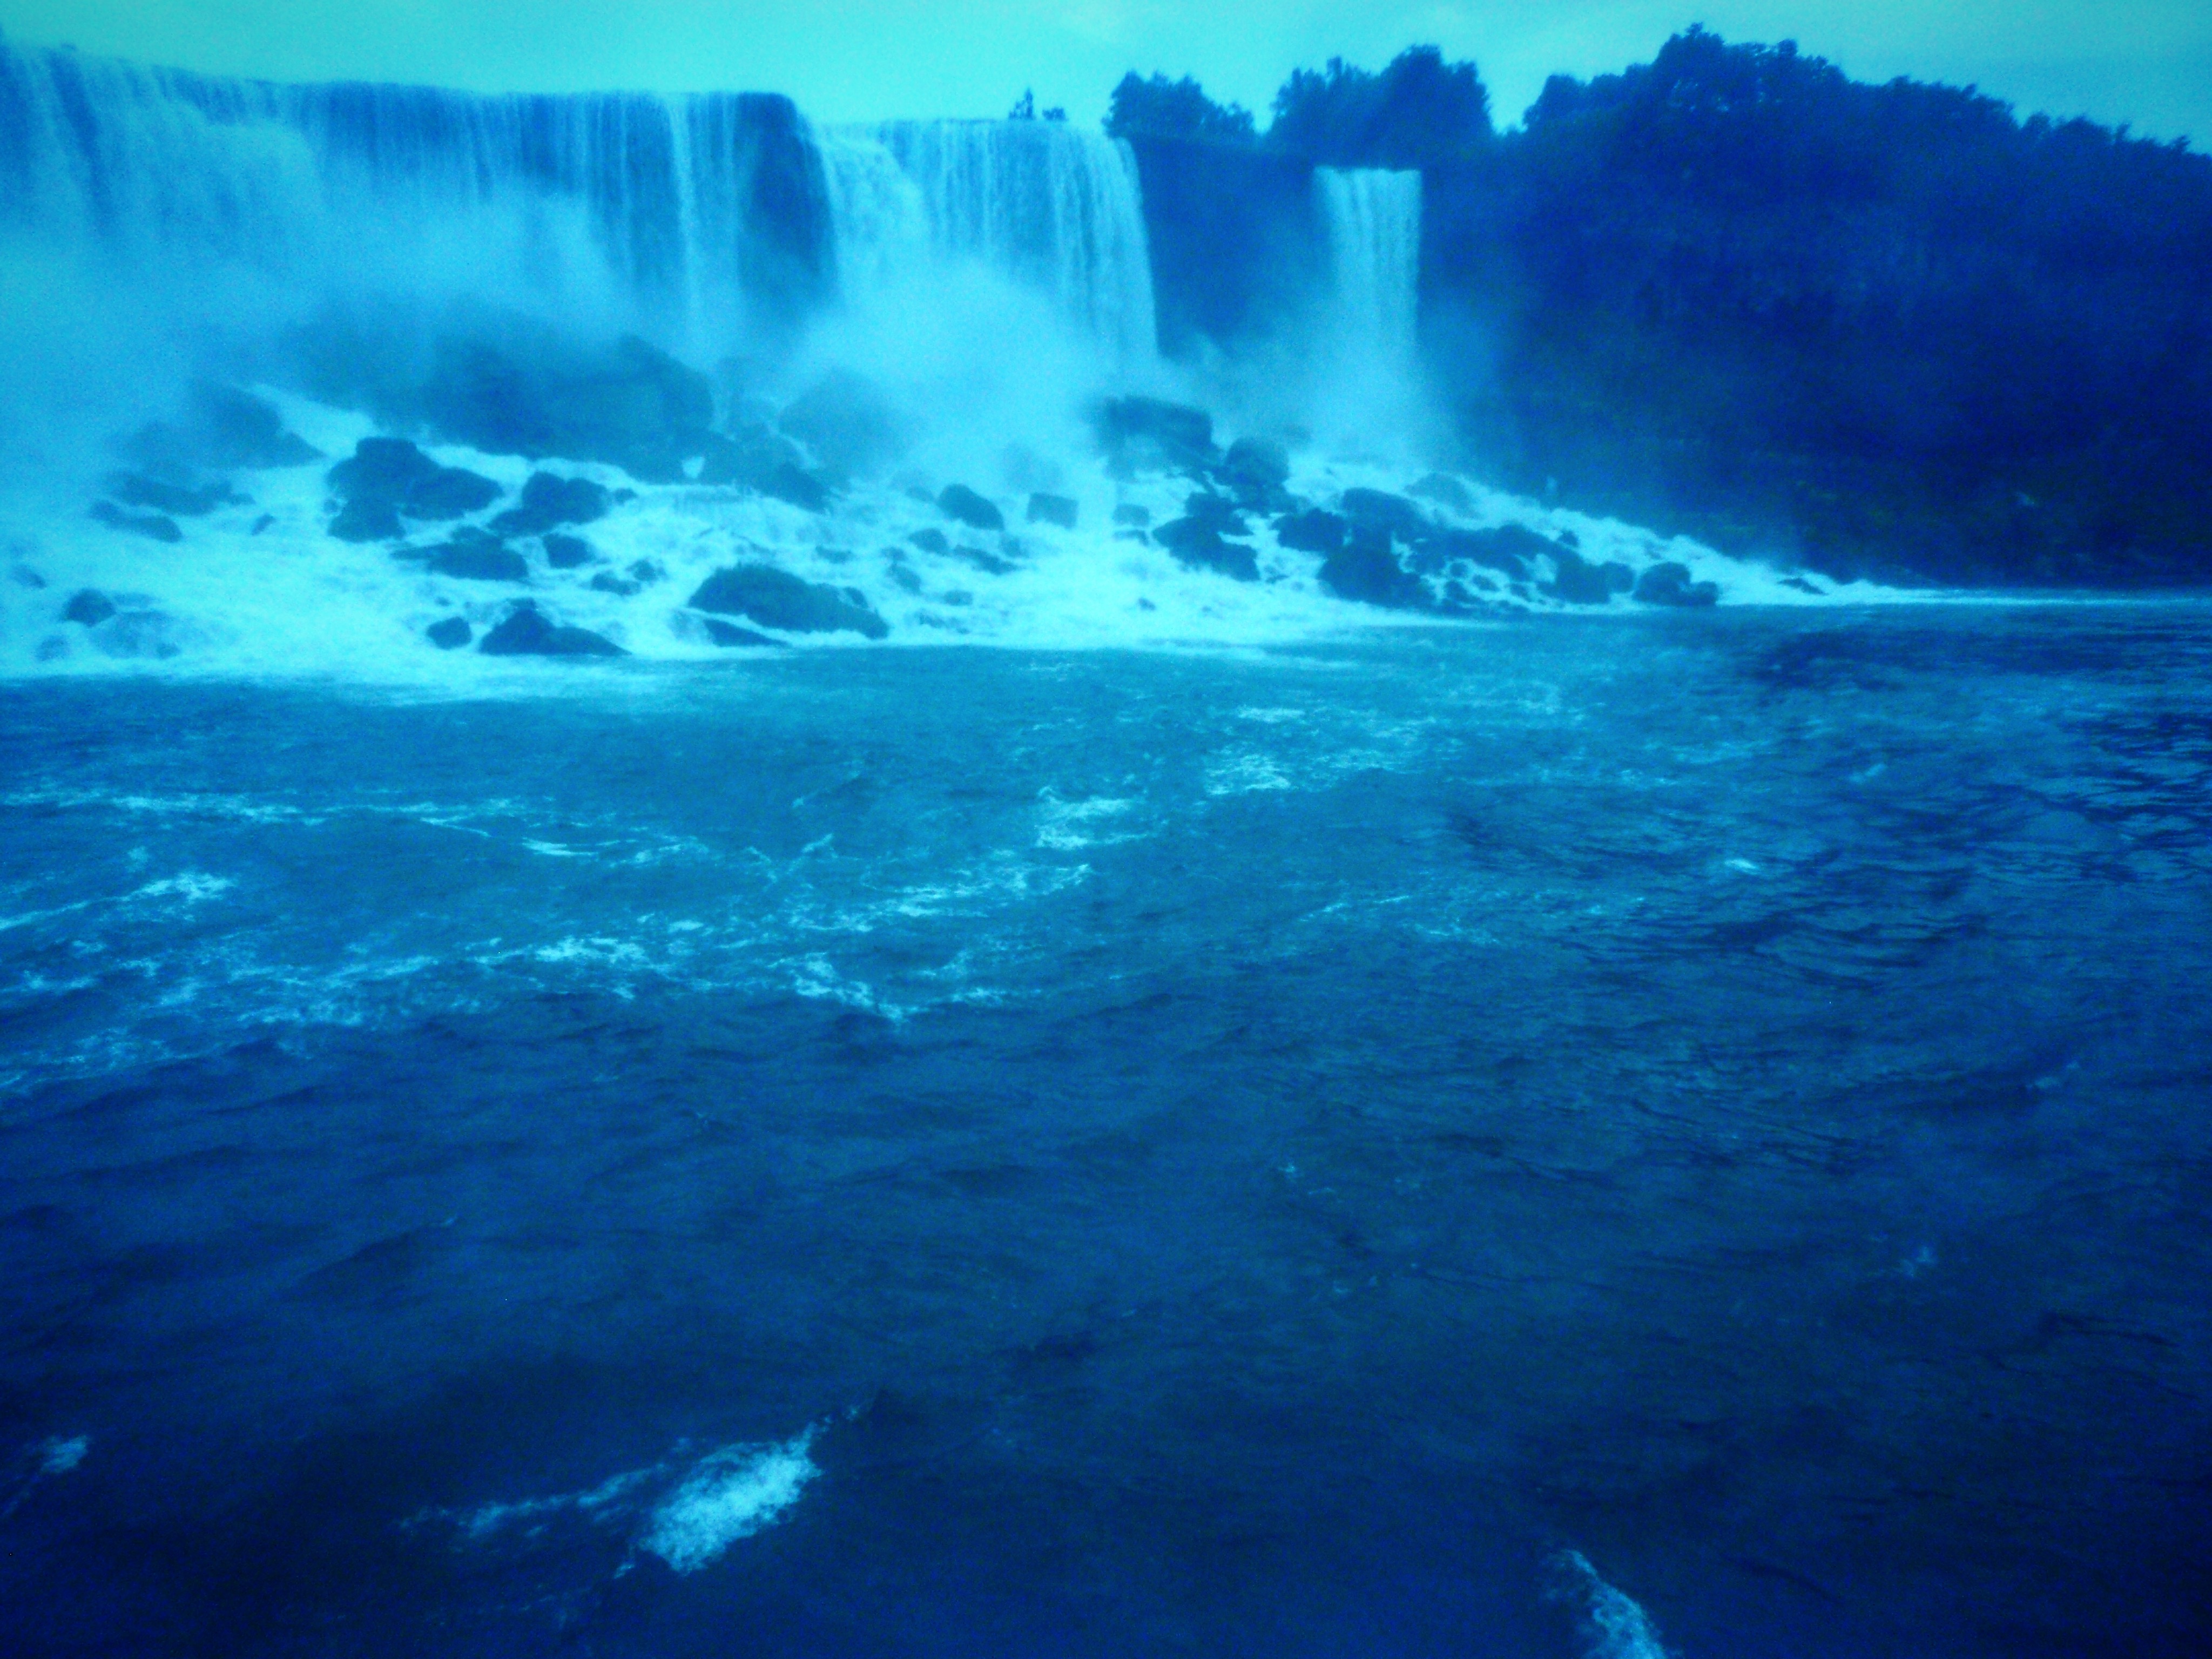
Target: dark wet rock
<point x="52" y="649"/>
<point x="748" y="456"/>
<point x="1054" y="509"/>
<point x="1146" y="435"/>
<point x="1449" y="493"/>
<point x="264" y="522"/>
<point x="368" y="521"/>
<point x="137" y="634"/>
<point x="1402" y="518"/>
<point x="1133" y="517"/>
<point x="799" y="487"/>
<point x="220" y="429"/>
<point x="958" y="503"/>
<point x="1507" y="549"/>
<point x="1200" y="545"/>
<point x="848" y="423"/>
<point x="1366" y="569"/>
<point x="905" y="579"/>
<point x="451" y="634"/>
<point x="567" y="552"/>
<point x="548" y="502"/>
<point x="479" y="562"/>
<point x="1315" y="530"/>
<point x="178" y="501"/>
<point x="1256" y="463"/>
<point x="88" y="606"/>
<point x="646" y="572"/>
<point x="512" y="386"/>
<point x="833" y="554"/>
<point x="528" y="633"/>
<point x="152" y="525"/>
<point x="620" y="587"/>
<point x="983" y="560"/>
<point x="1799" y="584"/>
<point x="931" y="541"/>
<point x="1579" y="580"/>
<point x="729" y="633"/>
<point x="776" y="598"/>
<point x="1669" y="584"/>
<point x="380" y="469"/>
<point x="1219" y="511"/>
<point x="450" y="492"/>
<point x="24" y="576"/>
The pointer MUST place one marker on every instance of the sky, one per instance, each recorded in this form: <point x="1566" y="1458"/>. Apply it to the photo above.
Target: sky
<point x="2145" y="62"/>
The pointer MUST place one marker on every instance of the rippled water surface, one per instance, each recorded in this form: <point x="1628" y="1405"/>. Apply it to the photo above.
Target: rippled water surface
<point x="1686" y="1135"/>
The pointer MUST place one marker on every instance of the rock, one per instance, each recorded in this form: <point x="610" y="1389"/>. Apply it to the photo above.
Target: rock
<point x="797" y="486"/>
<point x="567" y="552"/>
<point x="88" y="606"/>
<point x="222" y="429"/>
<point x="451" y="634"/>
<point x="368" y="521"/>
<point x="931" y="541"/>
<point x="1579" y="580"/>
<point x="729" y="633"/>
<point x="776" y="598"/>
<point x="1217" y="511"/>
<point x="959" y="502"/>
<point x="1799" y="584"/>
<point x="527" y="633"/>
<point x="24" y="576"/>
<point x="1449" y="493"/>
<point x="179" y="501"/>
<point x="620" y="587"/>
<point x="264" y="522"/>
<point x="150" y="525"/>
<point x="380" y="469"/>
<point x="478" y="562"/>
<point x="1400" y="517"/>
<point x="1669" y="584"/>
<point x="1507" y="548"/>
<point x="1366" y="569"/>
<point x="1133" y="517"/>
<point x="983" y="560"/>
<point x="449" y="492"/>
<point x="1315" y="530"/>
<point x="1145" y="434"/>
<point x="1054" y="509"/>
<point x="848" y="422"/>
<point x="646" y="572"/>
<point x="548" y="502"/>
<point x="1258" y="464"/>
<point x="905" y="579"/>
<point x="1199" y="546"/>
<point x="510" y="385"/>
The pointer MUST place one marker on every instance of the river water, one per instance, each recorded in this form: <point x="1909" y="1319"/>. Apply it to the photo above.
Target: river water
<point x="1677" y="1134"/>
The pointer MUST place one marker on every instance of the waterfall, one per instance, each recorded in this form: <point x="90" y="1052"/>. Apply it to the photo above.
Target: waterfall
<point x="1373" y="218"/>
<point x="697" y="220"/>
<point x="1045" y="205"/>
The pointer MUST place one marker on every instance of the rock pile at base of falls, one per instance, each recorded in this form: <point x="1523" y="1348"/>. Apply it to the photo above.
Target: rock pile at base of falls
<point x="775" y="598"/>
<point x="387" y="479"/>
<point x="527" y="632"/>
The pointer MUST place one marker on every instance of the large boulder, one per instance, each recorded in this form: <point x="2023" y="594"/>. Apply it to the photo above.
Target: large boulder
<point x="152" y="525"/>
<point x="450" y="634"/>
<point x="958" y="503"/>
<point x="89" y="607"/>
<point x="528" y="633"/>
<point x="513" y="386"/>
<point x="1147" y="434"/>
<point x="548" y="502"/>
<point x="1260" y="464"/>
<point x="480" y="562"/>
<point x="776" y="598"/>
<point x="1507" y="549"/>
<point x="1315" y="530"/>
<point x="848" y="422"/>
<point x="1402" y="518"/>
<point x="1200" y="545"/>
<point x="1668" y="584"/>
<point x="567" y="552"/>
<point x="1366" y="569"/>
<point x="388" y="478"/>
<point x="1062" y="510"/>
<point x="178" y="501"/>
<point x="220" y="429"/>
<point x="1580" y="582"/>
<point x="766" y="462"/>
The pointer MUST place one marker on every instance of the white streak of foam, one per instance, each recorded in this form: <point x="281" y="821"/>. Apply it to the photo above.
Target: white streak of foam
<point x="731" y="1494"/>
<point x="1613" y="1626"/>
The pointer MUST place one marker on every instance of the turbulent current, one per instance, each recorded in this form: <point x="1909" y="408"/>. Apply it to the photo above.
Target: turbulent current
<point x="721" y="930"/>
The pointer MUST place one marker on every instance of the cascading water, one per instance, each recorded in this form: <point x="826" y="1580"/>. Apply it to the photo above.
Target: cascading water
<point x="1050" y="206"/>
<point x="699" y="220"/>
<point x="1373" y="218"/>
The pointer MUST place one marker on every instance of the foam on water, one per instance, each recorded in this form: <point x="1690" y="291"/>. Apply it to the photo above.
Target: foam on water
<point x="731" y="1494"/>
<point x="1612" y="1625"/>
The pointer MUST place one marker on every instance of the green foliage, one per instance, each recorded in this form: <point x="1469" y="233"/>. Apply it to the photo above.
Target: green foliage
<point x="1418" y="111"/>
<point x="1161" y="108"/>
